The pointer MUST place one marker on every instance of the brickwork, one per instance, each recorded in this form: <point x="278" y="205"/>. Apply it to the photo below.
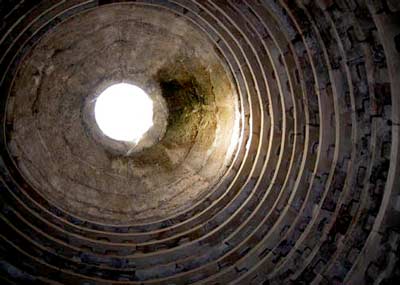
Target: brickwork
<point x="313" y="193"/>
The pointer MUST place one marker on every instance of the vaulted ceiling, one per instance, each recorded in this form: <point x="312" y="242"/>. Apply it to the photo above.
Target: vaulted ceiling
<point x="274" y="158"/>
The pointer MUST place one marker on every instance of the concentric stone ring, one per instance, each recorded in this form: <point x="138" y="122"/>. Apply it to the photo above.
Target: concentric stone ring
<point x="273" y="157"/>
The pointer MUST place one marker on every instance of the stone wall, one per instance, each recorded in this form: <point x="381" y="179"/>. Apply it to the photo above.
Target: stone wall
<point x="312" y="192"/>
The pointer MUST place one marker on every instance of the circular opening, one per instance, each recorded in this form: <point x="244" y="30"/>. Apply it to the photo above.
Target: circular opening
<point x="124" y="112"/>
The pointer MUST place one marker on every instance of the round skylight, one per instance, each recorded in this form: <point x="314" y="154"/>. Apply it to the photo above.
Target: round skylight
<point x="124" y="112"/>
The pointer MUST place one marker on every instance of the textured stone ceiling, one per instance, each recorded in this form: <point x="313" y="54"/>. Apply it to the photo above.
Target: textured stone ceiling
<point x="274" y="160"/>
<point x="61" y="151"/>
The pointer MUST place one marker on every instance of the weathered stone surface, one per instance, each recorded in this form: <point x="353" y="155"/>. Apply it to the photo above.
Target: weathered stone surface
<point x="70" y="161"/>
<point x="279" y="162"/>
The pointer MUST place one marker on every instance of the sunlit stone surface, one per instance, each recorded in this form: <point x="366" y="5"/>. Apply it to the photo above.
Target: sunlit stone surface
<point x="273" y="157"/>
